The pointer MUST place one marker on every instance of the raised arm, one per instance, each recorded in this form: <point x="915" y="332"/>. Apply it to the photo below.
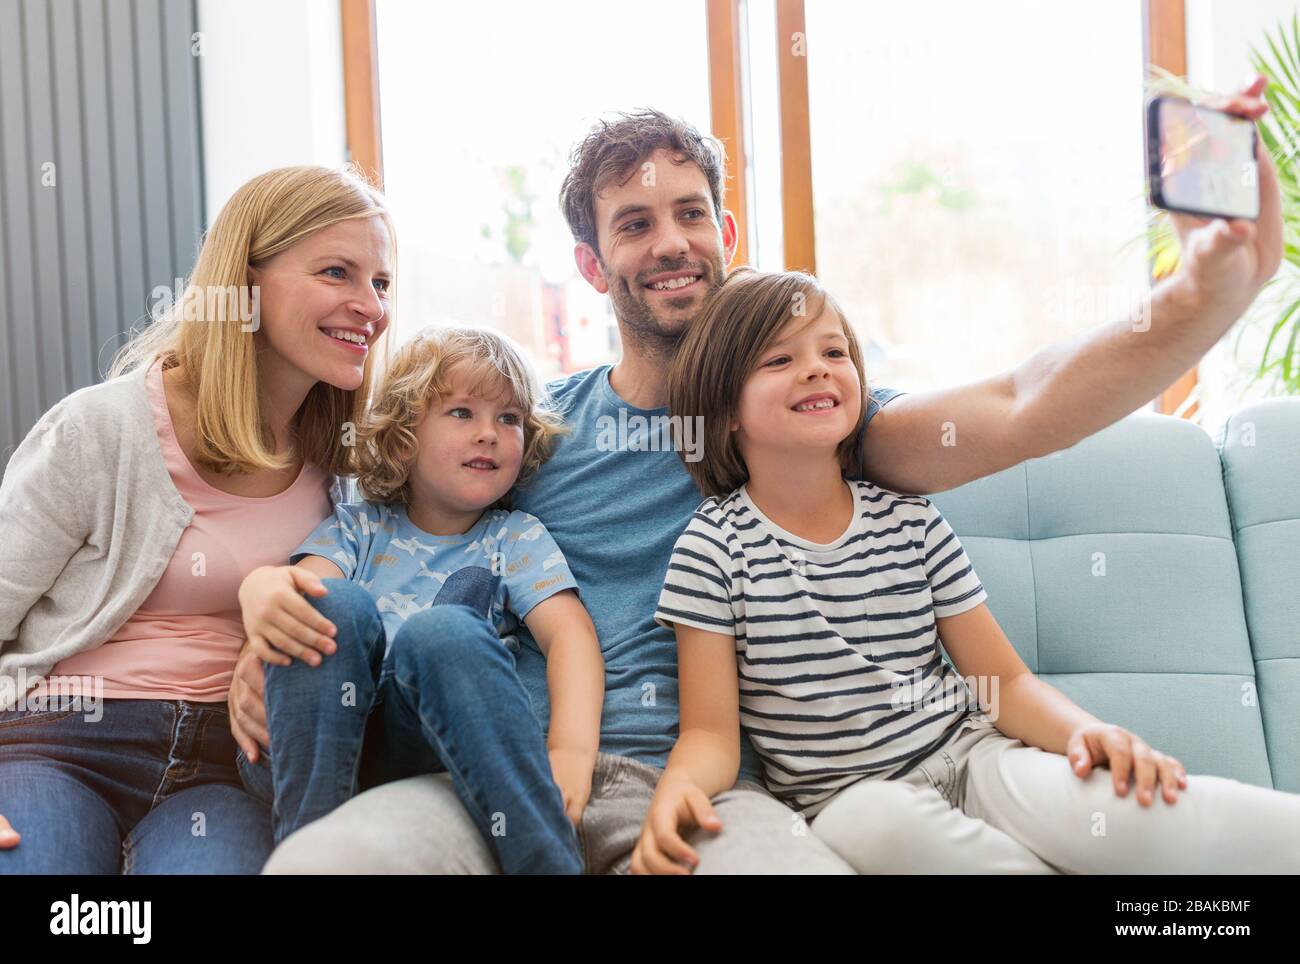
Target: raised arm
<point x="932" y="441"/>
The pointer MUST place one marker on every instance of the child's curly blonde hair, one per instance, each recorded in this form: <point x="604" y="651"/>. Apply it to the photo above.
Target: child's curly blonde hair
<point x="420" y="374"/>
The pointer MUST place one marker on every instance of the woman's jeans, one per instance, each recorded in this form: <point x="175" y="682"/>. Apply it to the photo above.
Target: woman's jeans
<point x="446" y="698"/>
<point x="136" y="787"/>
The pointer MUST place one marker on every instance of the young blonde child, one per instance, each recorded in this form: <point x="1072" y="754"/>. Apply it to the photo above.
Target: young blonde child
<point x="810" y="608"/>
<point x="403" y="648"/>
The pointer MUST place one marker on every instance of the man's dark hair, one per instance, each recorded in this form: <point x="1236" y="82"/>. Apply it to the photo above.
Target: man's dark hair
<point x="612" y="150"/>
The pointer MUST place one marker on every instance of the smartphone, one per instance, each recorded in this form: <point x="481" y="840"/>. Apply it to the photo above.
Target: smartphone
<point x="1201" y="161"/>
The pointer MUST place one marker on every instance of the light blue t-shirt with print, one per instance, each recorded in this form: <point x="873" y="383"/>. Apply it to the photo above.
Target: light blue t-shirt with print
<point x="615" y="495"/>
<point x="501" y="568"/>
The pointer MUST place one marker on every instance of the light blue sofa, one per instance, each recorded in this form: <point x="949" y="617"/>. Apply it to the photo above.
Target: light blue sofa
<point x="1154" y="578"/>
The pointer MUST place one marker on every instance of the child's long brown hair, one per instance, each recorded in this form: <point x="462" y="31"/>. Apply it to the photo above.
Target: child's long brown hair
<point x="723" y="347"/>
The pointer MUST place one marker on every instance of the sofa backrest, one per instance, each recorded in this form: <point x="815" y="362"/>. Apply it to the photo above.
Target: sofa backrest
<point x="1112" y="569"/>
<point x="1261" y="471"/>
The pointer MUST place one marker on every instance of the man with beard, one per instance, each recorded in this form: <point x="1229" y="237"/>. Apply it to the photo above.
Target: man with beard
<point x="644" y="200"/>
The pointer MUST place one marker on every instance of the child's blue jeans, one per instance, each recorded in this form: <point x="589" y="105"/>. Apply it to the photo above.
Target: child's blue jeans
<point x="446" y="698"/>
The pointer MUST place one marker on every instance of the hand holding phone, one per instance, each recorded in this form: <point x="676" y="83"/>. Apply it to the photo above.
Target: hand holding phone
<point x="1202" y="161"/>
<point x="1225" y="260"/>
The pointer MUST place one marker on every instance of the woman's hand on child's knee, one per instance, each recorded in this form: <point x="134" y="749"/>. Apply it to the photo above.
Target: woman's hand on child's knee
<point x="661" y="849"/>
<point x="247" y="705"/>
<point x="1104" y="743"/>
<point x="279" y="622"/>
<point x="8" y="836"/>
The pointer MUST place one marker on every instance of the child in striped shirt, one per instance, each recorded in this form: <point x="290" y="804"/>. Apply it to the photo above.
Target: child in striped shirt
<point x="810" y="609"/>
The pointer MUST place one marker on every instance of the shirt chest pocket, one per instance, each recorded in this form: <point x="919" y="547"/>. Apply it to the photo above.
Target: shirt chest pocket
<point x="898" y="618"/>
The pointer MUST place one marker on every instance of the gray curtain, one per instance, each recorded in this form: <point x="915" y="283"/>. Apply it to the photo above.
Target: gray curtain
<point x="101" y="186"/>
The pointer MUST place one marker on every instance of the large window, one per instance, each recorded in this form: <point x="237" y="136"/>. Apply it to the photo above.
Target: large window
<point x="977" y="176"/>
<point x="476" y="140"/>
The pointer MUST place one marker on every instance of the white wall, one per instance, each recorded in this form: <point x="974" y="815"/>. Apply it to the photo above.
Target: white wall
<point x="271" y="83"/>
<point x="1220" y="34"/>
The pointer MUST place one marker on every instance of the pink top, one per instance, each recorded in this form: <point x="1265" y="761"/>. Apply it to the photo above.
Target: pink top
<point x="182" y="643"/>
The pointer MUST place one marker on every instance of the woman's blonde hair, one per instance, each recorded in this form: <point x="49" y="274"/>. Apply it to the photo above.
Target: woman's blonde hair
<point x="724" y="345"/>
<point x="207" y="334"/>
<point x="420" y="375"/>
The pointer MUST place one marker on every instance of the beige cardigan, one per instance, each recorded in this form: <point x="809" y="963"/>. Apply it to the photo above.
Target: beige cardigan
<point x="89" y="519"/>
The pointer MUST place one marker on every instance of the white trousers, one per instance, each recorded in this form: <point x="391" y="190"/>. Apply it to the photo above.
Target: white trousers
<point x="988" y="804"/>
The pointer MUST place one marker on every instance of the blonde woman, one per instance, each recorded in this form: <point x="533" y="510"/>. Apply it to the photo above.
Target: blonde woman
<point x="134" y="509"/>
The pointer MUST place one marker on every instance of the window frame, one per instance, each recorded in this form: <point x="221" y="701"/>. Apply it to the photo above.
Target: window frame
<point x="1164" y="36"/>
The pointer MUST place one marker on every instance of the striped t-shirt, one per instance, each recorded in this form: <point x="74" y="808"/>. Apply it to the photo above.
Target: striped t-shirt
<point x="841" y="674"/>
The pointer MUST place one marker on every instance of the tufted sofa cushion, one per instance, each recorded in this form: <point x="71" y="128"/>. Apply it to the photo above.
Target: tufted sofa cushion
<point x="1113" y="570"/>
<point x="1260" y="448"/>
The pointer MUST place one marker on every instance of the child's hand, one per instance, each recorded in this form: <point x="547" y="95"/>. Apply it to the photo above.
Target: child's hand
<point x="571" y="770"/>
<point x="1099" y="743"/>
<point x="278" y="622"/>
<point x="661" y="849"/>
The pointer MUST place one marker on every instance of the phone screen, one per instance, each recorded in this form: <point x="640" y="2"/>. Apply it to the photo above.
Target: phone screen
<point x="1207" y="161"/>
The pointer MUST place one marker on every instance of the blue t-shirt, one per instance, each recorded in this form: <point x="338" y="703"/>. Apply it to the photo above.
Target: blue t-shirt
<point x="615" y="495"/>
<point x="502" y="567"/>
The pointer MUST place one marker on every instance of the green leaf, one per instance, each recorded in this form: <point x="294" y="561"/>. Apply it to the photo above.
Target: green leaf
<point x="1281" y="61"/>
<point x="1277" y="327"/>
<point x="1288" y="357"/>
